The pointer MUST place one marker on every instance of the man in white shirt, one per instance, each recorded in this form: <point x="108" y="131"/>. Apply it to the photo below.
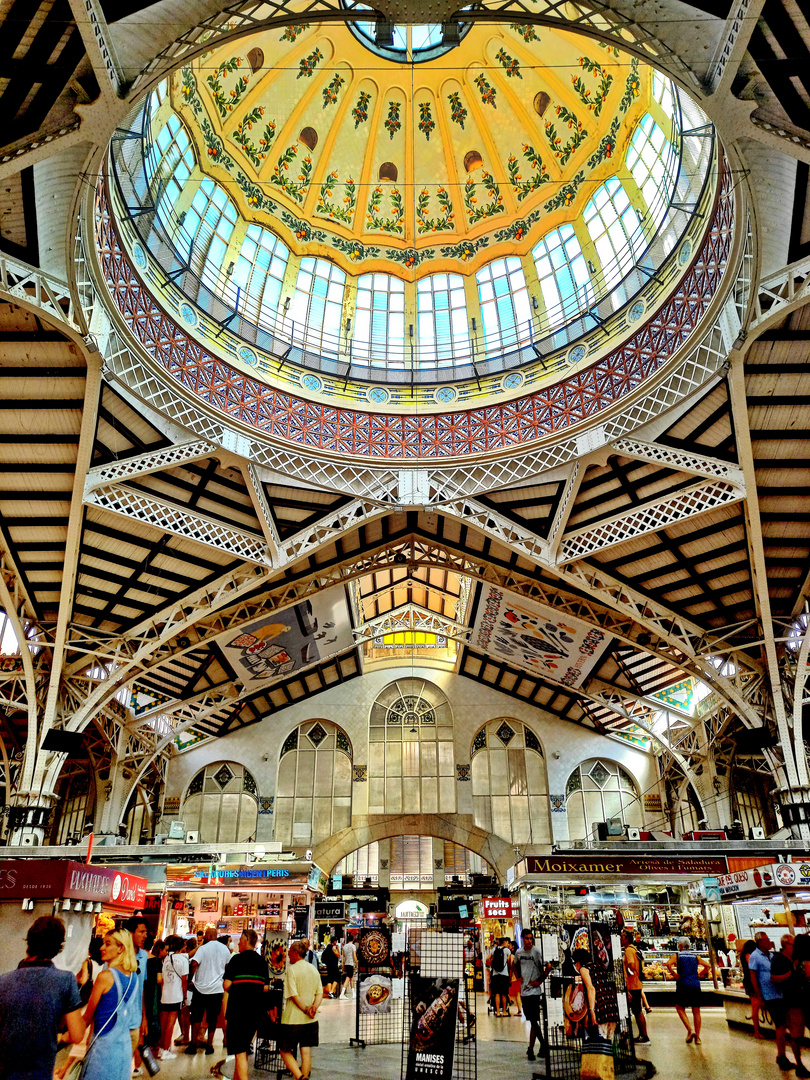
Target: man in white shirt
<point x="208" y="968"/>
<point x="349" y="957"/>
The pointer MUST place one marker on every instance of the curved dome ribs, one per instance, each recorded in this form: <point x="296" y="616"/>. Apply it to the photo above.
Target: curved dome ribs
<point x="332" y="157"/>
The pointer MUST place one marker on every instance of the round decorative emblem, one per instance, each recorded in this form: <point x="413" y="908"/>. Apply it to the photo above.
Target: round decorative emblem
<point x="116" y="887"/>
<point x="785" y="874"/>
<point x="579" y="352"/>
<point x="188" y="314"/>
<point x="311" y="382"/>
<point x="512" y="381"/>
<point x="247" y="356"/>
<point x="139" y="256"/>
<point x="684" y="253"/>
<point x="378" y="394"/>
<point x="374" y="947"/>
<point x="445" y="394"/>
<point x="636" y="311"/>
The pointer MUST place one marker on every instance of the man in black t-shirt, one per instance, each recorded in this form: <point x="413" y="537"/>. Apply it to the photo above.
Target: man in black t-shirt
<point x="792" y="1003"/>
<point x="246" y="982"/>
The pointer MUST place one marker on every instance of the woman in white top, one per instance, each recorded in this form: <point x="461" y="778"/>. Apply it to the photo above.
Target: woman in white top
<point x="173" y="982"/>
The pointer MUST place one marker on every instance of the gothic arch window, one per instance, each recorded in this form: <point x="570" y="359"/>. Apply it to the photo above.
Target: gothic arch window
<point x="510" y="790"/>
<point x="221" y="803"/>
<point x="410" y="751"/>
<point x="599" y="789"/>
<point x="314" y="789"/>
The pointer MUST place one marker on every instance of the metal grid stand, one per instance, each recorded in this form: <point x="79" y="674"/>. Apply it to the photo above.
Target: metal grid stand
<point x="267" y="1057"/>
<point x="378" y="1028"/>
<point x="437" y="956"/>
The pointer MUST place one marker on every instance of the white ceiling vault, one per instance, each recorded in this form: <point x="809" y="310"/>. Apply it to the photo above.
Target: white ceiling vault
<point x="136" y="531"/>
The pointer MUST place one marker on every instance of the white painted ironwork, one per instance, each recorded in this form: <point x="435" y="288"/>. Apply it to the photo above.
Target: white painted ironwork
<point x="698" y="499"/>
<point x="92" y="26"/>
<point x="733" y="43"/>
<point x="682" y="460"/>
<point x="179" y="521"/>
<point x="37" y="291"/>
<point x="144" y="464"/>
<point x="780" y="293"/>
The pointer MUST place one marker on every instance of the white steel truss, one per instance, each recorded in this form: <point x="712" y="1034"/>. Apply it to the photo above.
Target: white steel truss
<point x="115" y="472"/>
<point x="779" y="293"/>
<point x="682" y="460"/>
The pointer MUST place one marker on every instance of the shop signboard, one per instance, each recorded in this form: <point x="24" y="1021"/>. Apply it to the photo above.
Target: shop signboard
<point x="593" y="863"/>
<point x="318" y="880"/>
<point x="778" y="875"/>
<point x="22" y="878"/>
<point x="535" y="637"/>
<point x="712" y="889"/>
<point x="434" y="1005"/>
<point x="258" y="874"/>
<point x="496" y="907"/>
<point x="330" y="911"/>
<point x="76" y="881"/>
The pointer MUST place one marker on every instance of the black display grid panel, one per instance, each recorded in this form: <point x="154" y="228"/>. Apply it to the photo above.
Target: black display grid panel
<point x="378" y="1029"/>
<point x="432" y="953"/>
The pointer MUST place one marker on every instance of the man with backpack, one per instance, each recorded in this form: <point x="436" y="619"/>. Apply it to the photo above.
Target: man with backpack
<point x="499" y="976"/>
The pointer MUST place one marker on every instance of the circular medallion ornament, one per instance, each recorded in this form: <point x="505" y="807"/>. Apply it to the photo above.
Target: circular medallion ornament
<point x="579" y="352"/>
<point x="374" y="948"/>
<point x="445" y="394"/>
<point x="785" y="874"/>
<point x="512" y="381"/>
<point x="685" y="253"/>
<point x="636" y="311"/>
<point x="139" y="256"/>
<point x="377" y="394"/>
<point x="188" y="314"/>
<point x="311" y="382"/>
<point x="248" y="356"/>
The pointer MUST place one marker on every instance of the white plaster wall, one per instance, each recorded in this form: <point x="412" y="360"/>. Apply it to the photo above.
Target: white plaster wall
<point x="257" y="747"/>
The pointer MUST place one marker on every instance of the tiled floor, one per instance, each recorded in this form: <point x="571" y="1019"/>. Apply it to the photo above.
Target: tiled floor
<point x="722" y="1055"/>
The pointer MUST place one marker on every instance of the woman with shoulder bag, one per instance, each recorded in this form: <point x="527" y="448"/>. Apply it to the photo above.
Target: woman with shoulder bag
<point x="173" y="980"/>
<point x="109" y="1055"/>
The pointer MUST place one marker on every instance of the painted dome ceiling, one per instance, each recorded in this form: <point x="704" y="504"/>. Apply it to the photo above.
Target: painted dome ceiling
<point x="355" y="156"/>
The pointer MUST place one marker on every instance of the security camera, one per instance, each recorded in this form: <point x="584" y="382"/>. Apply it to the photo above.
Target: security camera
<point x="308" y="855"/>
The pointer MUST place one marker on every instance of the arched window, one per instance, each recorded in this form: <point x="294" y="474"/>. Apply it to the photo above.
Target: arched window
<point x="615" y="230"/>
<point x="563" y="275"/>
<point x="169" y="163"/>
<point x="441" y="314"/>
<point x="505" y="308"/>
<point x="410" y="755"/>
<point x="663" y="93"/>
<point x="138" y="819"/>
<point x="597" y="790"/>
<point x="314" y="789"/>
<point x="654" y="167"/>
<point x="221" y="804"/>
<point x="76" y="801"/>
<point x="317" y="303"/>
<point x="510" y="792"/>
<point x="379" y="319"/>
<point x="207" y="228"/>
<point x="259" y="274"/>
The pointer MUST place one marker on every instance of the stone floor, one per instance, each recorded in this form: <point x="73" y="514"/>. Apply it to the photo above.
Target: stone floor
<point x="722" y="1055"/>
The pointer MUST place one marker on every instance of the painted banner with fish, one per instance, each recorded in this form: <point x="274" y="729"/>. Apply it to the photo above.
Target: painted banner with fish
<point x="535" y="637"/>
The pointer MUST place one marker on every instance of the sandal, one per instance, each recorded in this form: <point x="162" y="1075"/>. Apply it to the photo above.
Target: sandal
<point x="690" y="1036"/>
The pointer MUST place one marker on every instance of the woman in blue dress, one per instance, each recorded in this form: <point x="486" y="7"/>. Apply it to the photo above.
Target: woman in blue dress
<point x="110" y="1050"/>
<point x="688" y="968"/>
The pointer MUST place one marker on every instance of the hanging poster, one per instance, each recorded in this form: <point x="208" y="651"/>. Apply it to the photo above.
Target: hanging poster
<point x="434" y="1008"/>
<point x="375" y="994"/>
<point x="291" y="639"/>
<point x="373" y="947"/>
<point x="535" y="637"/>
<point x="275" y="952"/>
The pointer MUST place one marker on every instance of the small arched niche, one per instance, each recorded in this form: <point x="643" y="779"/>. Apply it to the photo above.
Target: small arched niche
<point x="541" y="102"/>
<point x="309" y="137"/>
<point x="473" y="160"/>
<point x="388" y="171"/>
<point x="256" y="60"/>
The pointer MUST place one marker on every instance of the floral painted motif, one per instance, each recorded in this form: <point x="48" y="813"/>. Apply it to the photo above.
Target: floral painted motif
<point x="360" y="110"/>
<point x="486" y="90"/>
<point x="393" y="122"/>
<point x="443" y="222"/>
<point x="214" y="145"/>
<point x="292" y="32"/>
<point x="458" y="114"/>
<point x="509" y="64"/>
<point x="392" y="224"/>
<point x="296" y="188"/>
<point x="256" y="198"/>
<point x="608" y="48"/>
<point x="564" y="152"/>
<point x="540" y="173"/>
<point x="344" y="212"/>
<point x="475" y="212"/>
<point x="330" y="92"/>
<point x="410" y="257"/>
<point x="465" y="249"/>
<point x="354" y="249"/>
<point x="257" y="154"/>
<point x="223" y="103"/>
<point x="632" y="87"/>
<point x="517" y="230"/>
<point x="308" y="64"/>
<point x="426" y="121"/>
<point x="189" y="89"/>
<point x="592" y="101"/>
<point x="608" y="144"/>
<point x="567" y="193"/>
<point x="526" y="31"/>
<point x="302" y="229"/>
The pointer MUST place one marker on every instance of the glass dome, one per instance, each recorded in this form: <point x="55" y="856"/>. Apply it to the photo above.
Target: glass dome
<point x="274" y="188"/>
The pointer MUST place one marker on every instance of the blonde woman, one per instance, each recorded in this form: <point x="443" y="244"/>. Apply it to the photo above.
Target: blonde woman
<point x="110" y="1053"/>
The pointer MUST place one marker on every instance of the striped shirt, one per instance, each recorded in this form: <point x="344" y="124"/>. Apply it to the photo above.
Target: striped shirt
<point x="248" y="975"/>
